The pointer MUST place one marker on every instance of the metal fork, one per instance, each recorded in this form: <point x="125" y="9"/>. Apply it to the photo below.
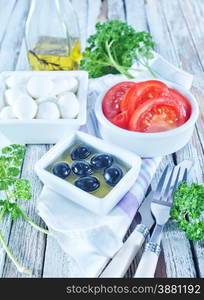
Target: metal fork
<point x="160" y="208"/>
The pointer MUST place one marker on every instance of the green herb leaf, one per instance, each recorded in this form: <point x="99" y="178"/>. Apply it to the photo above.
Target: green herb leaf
<point x="3" y="185"/>
<point x="13" y="171"/>
<point x="14" y="188"/>
<point x="187" y="210"/>
<point x="114" y="48"/>
<point x="7" y="150"/>
<point x="22" y="189"/>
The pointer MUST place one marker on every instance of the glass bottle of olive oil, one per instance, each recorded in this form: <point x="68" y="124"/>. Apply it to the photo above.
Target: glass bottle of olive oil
<point x="52" y="36"/>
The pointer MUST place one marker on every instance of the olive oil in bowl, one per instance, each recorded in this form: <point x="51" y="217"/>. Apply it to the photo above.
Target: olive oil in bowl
<point x="104" y="188"/>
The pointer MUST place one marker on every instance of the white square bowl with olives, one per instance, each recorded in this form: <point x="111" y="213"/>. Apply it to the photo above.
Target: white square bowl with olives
<point x="42" y="107"/>
<point x="89" y="171"/>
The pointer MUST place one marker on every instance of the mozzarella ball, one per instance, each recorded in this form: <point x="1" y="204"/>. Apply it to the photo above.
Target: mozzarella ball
<point x="60" y="86"/>
<point x="25" y="108"/>
<point x="48" y="111"/>
<point x="47" y="99"/>
<point x="15" y="80"/>
<point x="12" y="94"/>
<point x="68" y="84"/>
<point x="7" y="113"/>
<point x="40" y="86"/>
<point x="69" y="106"/>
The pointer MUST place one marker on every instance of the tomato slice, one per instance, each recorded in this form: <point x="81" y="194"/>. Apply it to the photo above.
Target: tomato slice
<point x="183" y="101"/>
<point x="112" y="99"/>
<point x="157" y="114"/>
<point x="141" y="92"/>
<point x="121" y="120"/>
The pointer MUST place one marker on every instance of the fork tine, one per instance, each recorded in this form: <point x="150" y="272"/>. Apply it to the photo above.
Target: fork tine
<point x="168" y="184"/>
<point x="183" y="177"/>
<point x="169" y="197"/>
<point x="161" y="182"/>
<point x="177" y="179"/>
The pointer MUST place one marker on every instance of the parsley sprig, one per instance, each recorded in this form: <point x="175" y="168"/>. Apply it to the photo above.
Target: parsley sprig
<point x="115" y="47"/>
<point x="13" y="187"/>
<point x="188" y="209"/>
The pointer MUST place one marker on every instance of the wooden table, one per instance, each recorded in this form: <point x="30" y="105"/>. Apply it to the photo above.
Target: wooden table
<point x="178" y="29"/>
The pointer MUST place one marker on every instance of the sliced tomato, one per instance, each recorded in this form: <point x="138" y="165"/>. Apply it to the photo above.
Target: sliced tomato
<point x="141" y="92"/>
<point x="183" y="101"/>
<point x="157" y="114"/>
<point x="121" y="120"/>
<point x="112" y="99"/>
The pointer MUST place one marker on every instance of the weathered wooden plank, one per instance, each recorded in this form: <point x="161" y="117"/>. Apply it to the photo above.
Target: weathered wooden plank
<point x="159" y="30"/>
<point x="159" y="27"/>
<point x="103" y="15"/>
<point x="5" y="229"/>
<point x="136" y="14"/>
<point x="116" y="10"/>
<point x="177" y="252"/>
<point x="8" y="56"/>
<point x="180" y="36"/>
<point x="11" y="43"/>
<point x="190" y="59"/>
<point x="193" y="16"/>
<point x="27" y="243"/>
<point x="93" y="14"/>
<point x="194" y="151"/>
<point x="81" y="8"/>
<point x="193" y="13"/>
<point x="5" y="13"/>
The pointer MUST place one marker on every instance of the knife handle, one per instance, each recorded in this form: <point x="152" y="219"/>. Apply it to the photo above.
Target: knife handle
<point x="148" y="262"/>
<point x="123" y="258"/>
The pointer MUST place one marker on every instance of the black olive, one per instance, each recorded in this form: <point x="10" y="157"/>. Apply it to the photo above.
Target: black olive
<point x="80" y="152"/>
<point x="113" y="175"/>
<point x="61" y="170"/>
<point x="88" y="183"/>
<point x="81" y="168"/>
<point x="101" y="161"/>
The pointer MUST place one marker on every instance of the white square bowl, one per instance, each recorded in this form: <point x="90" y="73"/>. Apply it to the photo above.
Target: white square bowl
<point x="38" y="131"/>
<point x="97" y="205"/>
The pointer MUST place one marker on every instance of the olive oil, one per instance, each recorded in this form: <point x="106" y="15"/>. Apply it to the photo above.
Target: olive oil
<point x="104" y="188"/>
<point x="53" y="53"/>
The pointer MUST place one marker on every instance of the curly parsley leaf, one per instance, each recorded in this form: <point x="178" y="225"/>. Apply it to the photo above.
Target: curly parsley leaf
<point x="188" y="208"/>
<point x="13" y="187"/>
<point x="114" y="48"/>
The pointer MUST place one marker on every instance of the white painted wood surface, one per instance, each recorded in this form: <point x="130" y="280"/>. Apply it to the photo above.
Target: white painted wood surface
<point x="178" y="30"/>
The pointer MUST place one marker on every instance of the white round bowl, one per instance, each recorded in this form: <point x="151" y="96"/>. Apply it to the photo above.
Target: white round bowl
<point x="149" y="144"/>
